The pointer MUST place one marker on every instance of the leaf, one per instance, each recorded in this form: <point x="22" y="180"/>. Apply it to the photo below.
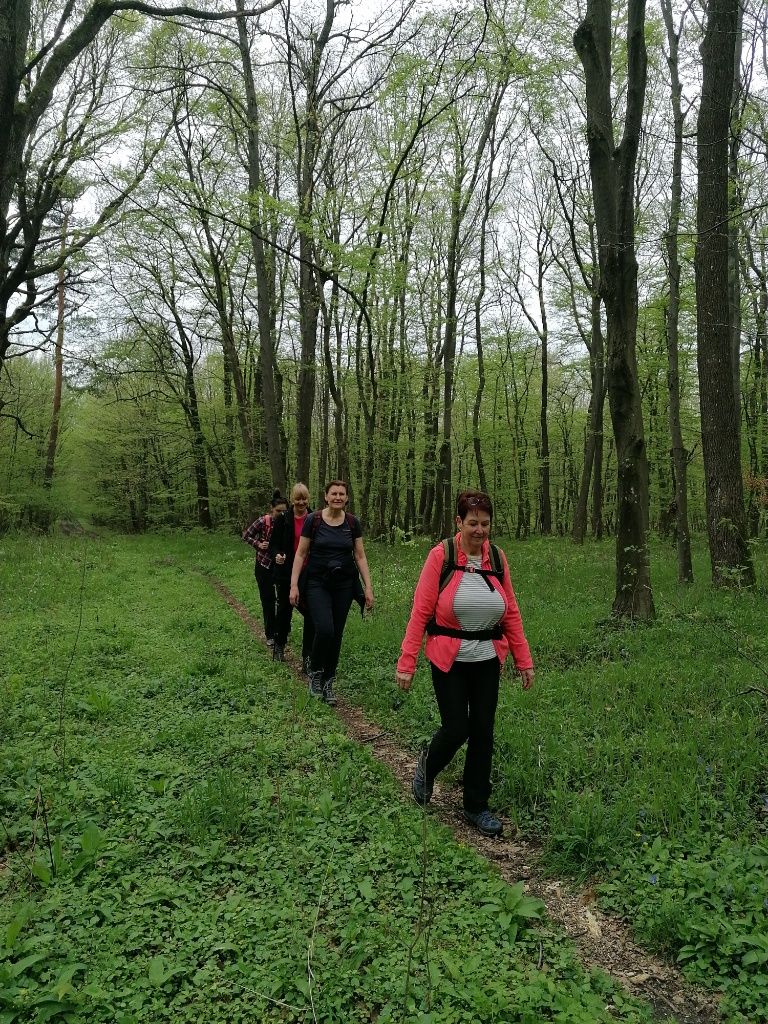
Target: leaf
<point x="529" y="906"/>
<point x="13" y="930"/>
<point x="92" y="840"/>
<point x="48" y="1009"/>
<point x="158" y="972"/>
<point x="63" y="984"/>
<point x="20" y="967"/>
<point x="366" y="888"/>
<point x="42" y="872"/>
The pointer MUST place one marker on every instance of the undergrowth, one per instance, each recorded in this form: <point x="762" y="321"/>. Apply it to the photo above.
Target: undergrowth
<point x="186" y="838"/>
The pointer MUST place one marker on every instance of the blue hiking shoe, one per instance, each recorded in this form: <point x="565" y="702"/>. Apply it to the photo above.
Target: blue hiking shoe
<point x="485" y="823"/>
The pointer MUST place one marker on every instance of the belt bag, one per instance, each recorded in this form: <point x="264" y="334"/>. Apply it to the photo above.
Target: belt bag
<point x="492" y="633"/>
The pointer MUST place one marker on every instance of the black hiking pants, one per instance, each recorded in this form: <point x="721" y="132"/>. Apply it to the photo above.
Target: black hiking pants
<point x="467" y="696"/>
<point x="328" y="609"/>
<point x="267" y="593"/>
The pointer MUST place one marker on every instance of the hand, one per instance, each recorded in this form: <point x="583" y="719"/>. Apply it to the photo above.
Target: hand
<point x="280" y="559"/>
<point x="263" y="545"/>
<point x="293" y="596"/>
<point x="403" y="680"/>
<point x="526" y="677"/>
<point x="368" y="599"/>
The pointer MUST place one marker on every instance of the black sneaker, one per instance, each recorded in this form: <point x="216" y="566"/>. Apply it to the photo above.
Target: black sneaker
<point x="328" y="695"/>
<point x="484" y="822"/>
<point x="421" y="789"/>
<point x="316" y="687"/>
<point x="278" y="652"/>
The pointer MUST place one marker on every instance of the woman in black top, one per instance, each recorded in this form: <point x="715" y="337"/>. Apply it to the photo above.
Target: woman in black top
<point x="332" y="546"/>
<point x="283" y="542"/>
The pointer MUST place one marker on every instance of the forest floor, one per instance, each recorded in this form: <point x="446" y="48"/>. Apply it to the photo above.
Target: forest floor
<point x="603" y="941"/>
<point x="185" y="835"/>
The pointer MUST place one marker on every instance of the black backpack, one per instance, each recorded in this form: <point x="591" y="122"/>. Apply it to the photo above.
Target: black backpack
<point x="450" y="566"/>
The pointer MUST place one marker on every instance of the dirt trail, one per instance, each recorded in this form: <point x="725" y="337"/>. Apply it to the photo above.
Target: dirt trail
<point x="603" y="941"/>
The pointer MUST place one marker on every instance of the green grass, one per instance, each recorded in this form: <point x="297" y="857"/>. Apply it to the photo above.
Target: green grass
<point x="639" y="756"/>
<point x="185" y="837"/>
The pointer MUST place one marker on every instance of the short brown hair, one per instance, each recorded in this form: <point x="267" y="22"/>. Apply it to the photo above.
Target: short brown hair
<point x="336" y="483"/>
<point x="473" y="500"/>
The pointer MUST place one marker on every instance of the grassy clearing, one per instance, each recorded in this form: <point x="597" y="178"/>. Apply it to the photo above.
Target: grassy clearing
<point x="184" y="838"/>
<point x="639" y="757"/>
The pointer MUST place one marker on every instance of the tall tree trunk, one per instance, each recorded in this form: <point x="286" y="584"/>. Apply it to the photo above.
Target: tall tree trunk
<point x="724" y="492"/>
<point x="309" y="286"/>
<point x="680" y="455"/>
<point x="264" y="265"/>
<point x="612" y="171"/>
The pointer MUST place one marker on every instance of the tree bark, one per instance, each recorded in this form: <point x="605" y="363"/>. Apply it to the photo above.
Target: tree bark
<point x="680" y="455"/>
<point x="724" y="493"/>
<point x="612" y="171"/>
<point x="58" y="365"/>
<point x="264" y="265"/>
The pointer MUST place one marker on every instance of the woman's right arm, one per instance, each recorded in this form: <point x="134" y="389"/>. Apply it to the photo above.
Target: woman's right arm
<point x="424" y="604"/>
<point x="252" y="534"/>
<point x="298" y="564"/>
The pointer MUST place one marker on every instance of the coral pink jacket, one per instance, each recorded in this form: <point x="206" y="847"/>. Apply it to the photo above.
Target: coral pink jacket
<point x="441" y="651"/>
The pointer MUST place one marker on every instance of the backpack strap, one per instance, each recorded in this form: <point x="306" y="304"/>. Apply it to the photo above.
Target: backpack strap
<point x="450" y="565"/>
<point x="317" y="518"/>
<point x="449" y="562"/>
<point x="449" y="568"/>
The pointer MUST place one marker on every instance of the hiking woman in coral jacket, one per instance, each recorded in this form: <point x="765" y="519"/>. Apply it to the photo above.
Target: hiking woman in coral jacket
<point x="465" y="603"/>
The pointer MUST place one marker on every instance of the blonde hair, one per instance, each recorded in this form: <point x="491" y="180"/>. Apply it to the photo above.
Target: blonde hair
<point x="299" y="489"/>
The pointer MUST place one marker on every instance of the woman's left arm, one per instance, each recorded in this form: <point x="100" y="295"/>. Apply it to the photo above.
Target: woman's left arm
<point x="362" y="565"/>
<point x="512" y="625"/>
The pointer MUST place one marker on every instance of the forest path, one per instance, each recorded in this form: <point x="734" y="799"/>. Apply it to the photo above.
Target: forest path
<point x="602" y="941"/>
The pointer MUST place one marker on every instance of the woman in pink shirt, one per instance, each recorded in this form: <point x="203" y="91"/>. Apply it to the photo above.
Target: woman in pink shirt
<point x="465" y="604"/>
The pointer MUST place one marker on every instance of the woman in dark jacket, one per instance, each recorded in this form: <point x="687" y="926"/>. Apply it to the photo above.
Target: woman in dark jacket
<point x="258" y="535"/>
<point x="282" y="548"/>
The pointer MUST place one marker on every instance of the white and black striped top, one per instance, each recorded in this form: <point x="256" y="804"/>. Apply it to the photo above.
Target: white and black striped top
<point x="476" y="607"/>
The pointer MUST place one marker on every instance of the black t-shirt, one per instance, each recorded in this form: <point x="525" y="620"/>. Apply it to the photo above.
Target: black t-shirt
<point x="331" y="547"/>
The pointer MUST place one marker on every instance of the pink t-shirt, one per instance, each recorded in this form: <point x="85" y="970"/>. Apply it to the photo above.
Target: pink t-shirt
<point x="297" y="525"/>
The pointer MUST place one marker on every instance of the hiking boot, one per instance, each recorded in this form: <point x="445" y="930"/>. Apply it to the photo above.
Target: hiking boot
<point x="278" y="652"/>
<point x="484" y="822"/>
<point x="421" y="789"/>
<point x="316" y="687"/>
<point x="328" y="695"/>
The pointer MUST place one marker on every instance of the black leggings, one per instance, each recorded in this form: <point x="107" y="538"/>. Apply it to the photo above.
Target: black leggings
<point x="266" y="584"/>
<point x="467" y="696"/>
<point x="284" y="613"/>
<point x="328" y="609"/>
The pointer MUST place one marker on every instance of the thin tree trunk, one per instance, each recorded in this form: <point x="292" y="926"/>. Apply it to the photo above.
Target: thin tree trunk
<point x="58" y="364"/>
<point x="680" y="455"/>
